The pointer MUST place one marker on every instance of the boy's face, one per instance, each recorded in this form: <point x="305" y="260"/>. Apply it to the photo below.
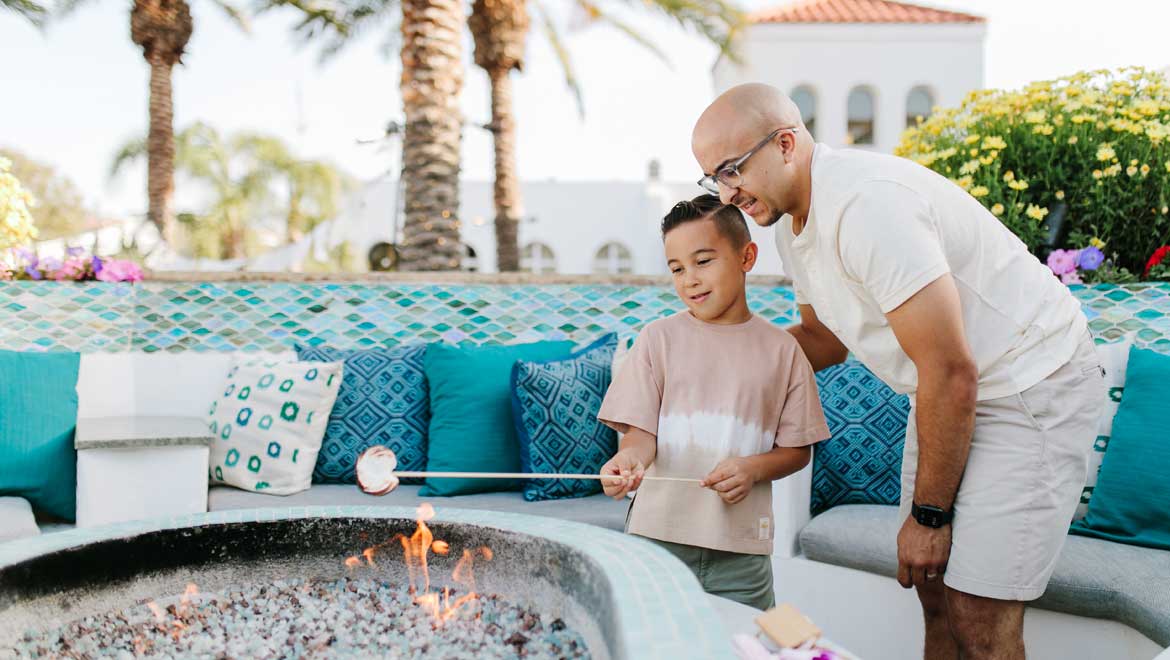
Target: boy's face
<point x="708" y="270"/>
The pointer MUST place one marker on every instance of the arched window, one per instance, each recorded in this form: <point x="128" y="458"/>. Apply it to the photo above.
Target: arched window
<point x="613" y="259"/>
<point x="860" y="107"/>
<point x="806" y="101"/>
<point x="918" y="104"/>
<point x="538" y="258"/>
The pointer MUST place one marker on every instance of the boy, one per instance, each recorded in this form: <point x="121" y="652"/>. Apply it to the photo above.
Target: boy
<point x="714" y="393"/>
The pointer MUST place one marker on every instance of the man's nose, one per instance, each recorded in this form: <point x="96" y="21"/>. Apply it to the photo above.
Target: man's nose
<point x="726" y="194"/>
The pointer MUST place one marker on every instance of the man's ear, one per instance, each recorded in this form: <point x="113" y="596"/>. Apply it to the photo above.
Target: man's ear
<point x="751" y="252"/>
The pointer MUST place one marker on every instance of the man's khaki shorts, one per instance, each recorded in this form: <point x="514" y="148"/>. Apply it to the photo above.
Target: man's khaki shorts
<point x="1028" y="462"/>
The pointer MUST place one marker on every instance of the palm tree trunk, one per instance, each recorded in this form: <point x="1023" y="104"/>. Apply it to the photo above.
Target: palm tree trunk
<point x="160" y="149"/>
<point x="432" y="79"/>
<point x="507" y="185"/>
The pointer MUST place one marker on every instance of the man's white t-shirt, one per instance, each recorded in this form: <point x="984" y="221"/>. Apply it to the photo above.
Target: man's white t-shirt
<point x="881" y="228"/>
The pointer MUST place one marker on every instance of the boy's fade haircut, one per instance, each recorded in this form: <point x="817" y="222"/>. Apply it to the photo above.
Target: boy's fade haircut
<point x="728" y="220"/>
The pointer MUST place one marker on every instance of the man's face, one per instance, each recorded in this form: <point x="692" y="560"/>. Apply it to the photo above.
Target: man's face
<point x="708" y="270"/>
<point x="762" y="177"/>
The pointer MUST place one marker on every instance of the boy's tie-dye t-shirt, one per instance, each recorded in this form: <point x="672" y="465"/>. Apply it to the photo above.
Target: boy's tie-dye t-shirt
<point x="710" y="392"/>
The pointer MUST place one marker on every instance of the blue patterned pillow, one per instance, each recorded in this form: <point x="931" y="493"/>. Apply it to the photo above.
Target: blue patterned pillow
<point x="862" y="462"/>
<point x="383" y="401"/>
<point x="554" y="406"/>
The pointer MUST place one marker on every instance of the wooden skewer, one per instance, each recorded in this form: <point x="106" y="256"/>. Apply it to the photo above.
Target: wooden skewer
<point x="527" y="475"/>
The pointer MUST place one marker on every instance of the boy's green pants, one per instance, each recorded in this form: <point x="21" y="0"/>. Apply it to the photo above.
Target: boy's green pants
<point x="743" y="578"/>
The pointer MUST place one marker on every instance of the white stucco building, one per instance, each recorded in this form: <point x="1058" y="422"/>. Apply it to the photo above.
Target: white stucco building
<point x="860" y="70"/>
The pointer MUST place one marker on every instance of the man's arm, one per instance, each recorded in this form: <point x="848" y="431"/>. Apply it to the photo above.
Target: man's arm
<point x="820" y="345"/>
<point x="929" y="327"/>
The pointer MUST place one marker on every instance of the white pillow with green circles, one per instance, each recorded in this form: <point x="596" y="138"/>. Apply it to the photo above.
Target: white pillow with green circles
<point x="268" y="421"/>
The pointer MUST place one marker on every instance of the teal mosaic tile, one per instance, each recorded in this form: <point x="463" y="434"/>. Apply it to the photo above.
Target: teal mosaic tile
<point x="272" y="316"/>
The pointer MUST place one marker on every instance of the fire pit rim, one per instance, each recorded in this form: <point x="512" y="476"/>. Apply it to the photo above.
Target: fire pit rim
<point x="661" y="608"/>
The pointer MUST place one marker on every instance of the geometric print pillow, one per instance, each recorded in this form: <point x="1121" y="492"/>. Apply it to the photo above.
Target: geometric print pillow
<point x="862" y="462"/>
<point x="1114" y="358"/>
<point x="268" y="421"/>
<point x="383" y="401"/>
<point x="554" y="407"/>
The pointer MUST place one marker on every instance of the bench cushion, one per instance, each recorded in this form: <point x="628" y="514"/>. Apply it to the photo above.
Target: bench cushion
<point x="595" y="510"/>
<point x="16" y="519"/>
<point x="1093" y="578"/>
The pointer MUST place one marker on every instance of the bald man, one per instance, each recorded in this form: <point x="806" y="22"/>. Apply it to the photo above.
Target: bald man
<point x="900" y="267"/>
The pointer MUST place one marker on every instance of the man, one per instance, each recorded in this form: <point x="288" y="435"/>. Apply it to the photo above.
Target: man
<point x="896" y="264"/>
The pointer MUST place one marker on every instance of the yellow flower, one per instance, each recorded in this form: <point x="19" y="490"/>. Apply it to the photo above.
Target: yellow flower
<point x="971" y="139"/>
<point x="1060" y="194"/>
<point x="1165" y="209"/>
<point x="1097" y="174"/>
<point x="1072" y="140"/>
<point x="1009" y="176"/>
<point x="980" y="191"/>
<point x="1105" y="153"/>
<point x="1131" y="170"/>
<point x="964" y="182"/>
<point x="1018" y="185"/>
<point x="1133" y="162"/>
<point x="1036" y="212"/>
<point x="969" y="167"/>
<point x="1097" y="243"/>
<point x="1145" y="169"/>
<point x="974" y="152"/>
<point x="1043" y="129"/>
<point x="994" y="142"/>
<point x="1168" y="166"/>
<point x="997" y="209"/>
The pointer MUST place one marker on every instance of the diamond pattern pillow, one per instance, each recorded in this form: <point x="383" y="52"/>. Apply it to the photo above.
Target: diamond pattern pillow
<point x="268" y="423"/>
<point x="555" y="405"/>
<point x="1114" y="358"/>
<point x="383" y="401"/>
<point x="862" y="462"/>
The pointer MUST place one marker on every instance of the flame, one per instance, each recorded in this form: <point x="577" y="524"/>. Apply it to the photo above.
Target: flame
<point x="415" y="549"/>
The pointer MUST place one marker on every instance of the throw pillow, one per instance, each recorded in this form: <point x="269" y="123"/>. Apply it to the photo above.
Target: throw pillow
<point x="38" y="415"/>
<point x="1114" y="357"/>
<point x="1129" y="501"/>
<point x="862" y="462"/>
<point x="382" y="401"/>
<point x="471" y="426"/>
<point x="268" y="424"/>
<point x="554" y="406"/>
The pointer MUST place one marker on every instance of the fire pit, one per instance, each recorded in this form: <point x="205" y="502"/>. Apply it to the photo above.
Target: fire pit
<point x="353" y="582"/>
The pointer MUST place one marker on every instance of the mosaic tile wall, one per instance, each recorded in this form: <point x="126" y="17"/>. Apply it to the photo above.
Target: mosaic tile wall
<point x="272" y="316"/>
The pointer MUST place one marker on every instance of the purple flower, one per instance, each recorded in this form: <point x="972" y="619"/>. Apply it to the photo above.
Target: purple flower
<point x="33" y="272"/>
<point x="97" y="264"/>
<point x="74" y="251"/>
<point x="50" y="264"/>
<point x="1091" y="258"/>
<point x="1062" y="261"/>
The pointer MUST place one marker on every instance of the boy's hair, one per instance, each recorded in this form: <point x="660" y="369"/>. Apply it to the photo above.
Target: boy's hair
<point x="728" y="220"/>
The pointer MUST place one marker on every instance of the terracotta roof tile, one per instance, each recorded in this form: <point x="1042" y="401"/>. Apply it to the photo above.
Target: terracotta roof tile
<point x="859" y="11"/>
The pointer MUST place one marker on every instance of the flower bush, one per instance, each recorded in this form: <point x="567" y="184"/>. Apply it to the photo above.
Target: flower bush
<point x="1098" y="142"/>
<point x="24" y="264"/>
<point x="16" y="226"/>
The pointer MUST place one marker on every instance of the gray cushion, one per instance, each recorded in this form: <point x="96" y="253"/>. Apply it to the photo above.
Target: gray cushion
<point x="1093" y="578"/>
<point x="16" y="519"/>
<point x="595" y="510"/>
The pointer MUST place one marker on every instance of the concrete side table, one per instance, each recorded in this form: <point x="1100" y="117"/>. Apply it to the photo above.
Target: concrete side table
<point x="132" y="468"/>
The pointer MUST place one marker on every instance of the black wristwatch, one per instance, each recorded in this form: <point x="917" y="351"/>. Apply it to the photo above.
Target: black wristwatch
<point x="931" y="516"/>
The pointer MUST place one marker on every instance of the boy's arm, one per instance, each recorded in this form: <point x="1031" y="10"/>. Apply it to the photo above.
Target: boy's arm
<point x="734" y="478"/>
<point x="635" y="453"/>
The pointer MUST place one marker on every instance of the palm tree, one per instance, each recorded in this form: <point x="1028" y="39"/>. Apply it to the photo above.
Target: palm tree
<point x="33" y="11"/>
<point x="500" y="29"/>
<point x="432" y="80"/>
<point x="162" y="28"/>
<point x="243" y="176"/>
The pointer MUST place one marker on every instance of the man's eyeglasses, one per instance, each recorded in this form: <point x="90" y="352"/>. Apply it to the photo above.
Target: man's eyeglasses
<point x="728" y="175"/>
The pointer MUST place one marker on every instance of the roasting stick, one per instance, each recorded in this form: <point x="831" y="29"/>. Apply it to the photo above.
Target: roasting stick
<point x="376" y="474"/>
<point x="526" y="475"/>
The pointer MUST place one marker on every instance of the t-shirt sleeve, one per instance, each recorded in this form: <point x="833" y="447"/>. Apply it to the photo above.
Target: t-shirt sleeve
<point x="889" y="242"/>
<point x="802" y="420"/>
<point x="635" y="395"/>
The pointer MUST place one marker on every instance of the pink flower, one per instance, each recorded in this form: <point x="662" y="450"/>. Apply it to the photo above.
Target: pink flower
<point x="1063" y="262"/>
<point x="72" y="269"/>
<point x="1071" y="278"/>
<point x="120" y="270"/>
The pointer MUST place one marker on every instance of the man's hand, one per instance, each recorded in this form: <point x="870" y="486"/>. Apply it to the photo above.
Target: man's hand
<point x="922" y="553"/>
<point x="733" y="479"/>
<point x="626" y="471"/>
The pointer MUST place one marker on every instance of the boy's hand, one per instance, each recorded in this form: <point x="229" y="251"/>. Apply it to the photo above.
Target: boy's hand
<point x="732" y="479"/>
<point x="627" y="473"/>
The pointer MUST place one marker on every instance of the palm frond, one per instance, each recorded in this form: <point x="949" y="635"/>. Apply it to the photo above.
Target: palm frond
<point x="129" y="152"/>
<point x="562" y="52"/>
<point x="719" y="21"/>
<point x="599" y="15"/>
<point x="237" y="15"/>
<point x="337" y="22"/>
<point x="33" y="11"/>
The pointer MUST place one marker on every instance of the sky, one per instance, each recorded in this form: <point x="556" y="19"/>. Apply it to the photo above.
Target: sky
<point x="74" y="93"/>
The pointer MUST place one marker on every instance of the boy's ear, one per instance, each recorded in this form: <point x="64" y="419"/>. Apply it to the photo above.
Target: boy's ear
<point x="751" y="252"/>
